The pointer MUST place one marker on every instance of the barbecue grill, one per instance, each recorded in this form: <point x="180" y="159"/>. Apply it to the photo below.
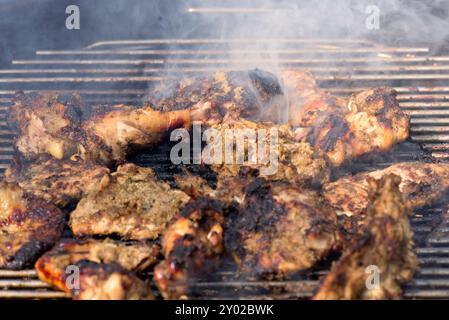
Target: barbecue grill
<point x="112" y="72"/>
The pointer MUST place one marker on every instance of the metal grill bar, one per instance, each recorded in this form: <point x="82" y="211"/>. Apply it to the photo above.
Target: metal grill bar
<point x="341" y="66"/>
<point x="197" y="42"/>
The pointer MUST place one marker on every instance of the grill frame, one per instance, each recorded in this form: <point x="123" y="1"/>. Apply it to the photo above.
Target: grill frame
<point x="340" y="66"/>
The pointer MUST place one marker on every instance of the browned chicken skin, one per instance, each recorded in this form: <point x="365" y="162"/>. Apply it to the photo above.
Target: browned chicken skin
<point x="104" y="266"/>
<point x="251" y="94"/>
<point x="344" y="129"/>
<point x="131" y="203"/>
<point x="63" y="127"/>
<point x="109" y="282"/>
<point x="385" y="246"/>
<point x="191" y="245"/>
<point x="61" y="182"/>
<point x="421" y="184"/>
<point x="28" y="226"/>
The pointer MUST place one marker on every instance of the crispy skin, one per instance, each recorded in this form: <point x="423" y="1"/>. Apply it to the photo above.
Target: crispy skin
<point x="109" y="282"/>
<point x="52" y="266"/>
<point x="280" y="157"/>
<point x="192" y="246"/>
<point x="272" y="228"/>
<point x="280" y="229"/>
<point x="386" y="243"/>
<point x="422" y="184"/>
<point x="373" y="122"/>
<point x="131" y="204"/>
<point x="251" y="94"/>
<point x="61" y="182"/>
<point x="48" y="124"/>
<point x="63" y="127"/>
<point x="344" y="129"/>
<point x="28" y="226"/>
<point x="126" y="130"/>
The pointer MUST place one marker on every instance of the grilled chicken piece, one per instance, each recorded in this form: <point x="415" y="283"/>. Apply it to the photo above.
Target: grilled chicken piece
<point x="48" y="124"/>
<point x="384" y="249"/>
<point x="271" y="149"/>
<point x="28" y="226"/>
<point x="421" y="184"/>
<point x="131" y="203"/>
<point x="192" y="246"/>
<point x="344" y="129"/>
<point x="272" y="228"/>
<point x="61" y="182"/>
<point x="109" y="282"/>
<point x="280" y="229"/>
<point x="105" y="268"/>
<point x="253" y="94"/>
<point x="63" y="127"/>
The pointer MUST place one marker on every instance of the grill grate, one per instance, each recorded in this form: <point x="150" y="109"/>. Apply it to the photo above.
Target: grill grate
<point x="121" y="72"/>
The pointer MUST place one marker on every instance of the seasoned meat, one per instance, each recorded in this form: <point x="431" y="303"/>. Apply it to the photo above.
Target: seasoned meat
<point x="421" y="184"/>
<point x="381" y="259"/>
<point x="271" y="149"/>
<point x="126" y="130"/>
<point x="28" y="226"/>
<point x="192" y="246"/>
<point x="47" y="123"/>
<point x="63" y="127"/>
<point x="344" y="129"/>
<point x="61" y="182"/>
<point x="280" y="229"/>
<point x="105" y="268"/>
<point x="109" y="282"/>
<point x="271" y="228"/>
<point x="252" y="94"/>
<point x="131" y="204"/>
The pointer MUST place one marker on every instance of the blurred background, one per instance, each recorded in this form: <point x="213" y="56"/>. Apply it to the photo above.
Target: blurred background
<point x="28" y="25"/>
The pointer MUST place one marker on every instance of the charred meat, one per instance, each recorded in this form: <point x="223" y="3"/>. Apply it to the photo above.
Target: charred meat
<point x="192" y="245"/>
<point x="368" y="121"/>
<point x="62" y="182"/>
<point x="251" y="94"/>
<point x="271" y="228"/>
<point x="28" y="226"/>
<point x="385" y="246"/>
<point x="105" y="268"/>
<point x="132" y="203"/>
<point x="280" y="229"/>
<point x="421" y="184"/>
<point x="63" y="127"/>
